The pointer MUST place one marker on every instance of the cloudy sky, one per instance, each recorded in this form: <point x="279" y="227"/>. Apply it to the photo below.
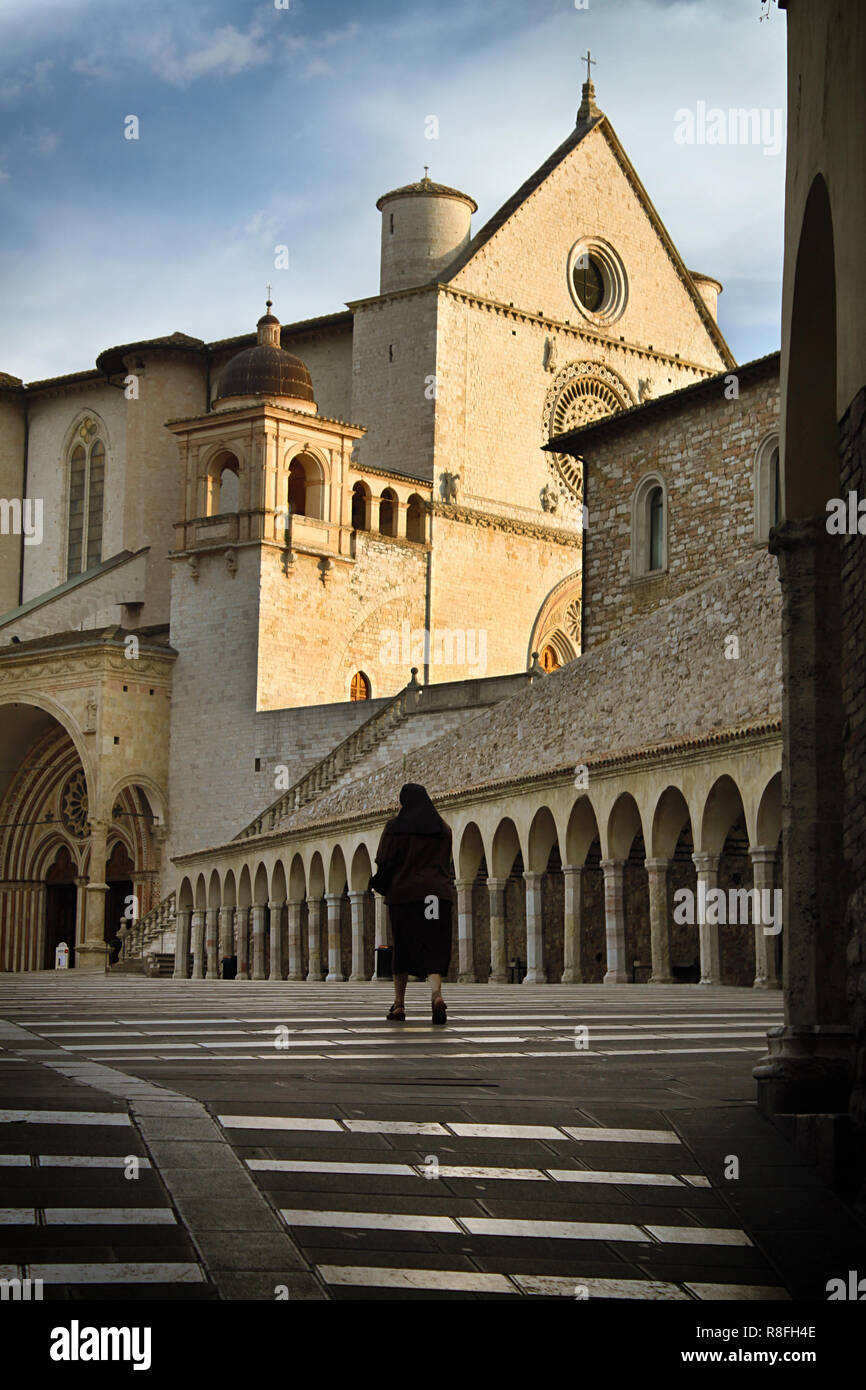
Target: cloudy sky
<point x="262" y="126"/>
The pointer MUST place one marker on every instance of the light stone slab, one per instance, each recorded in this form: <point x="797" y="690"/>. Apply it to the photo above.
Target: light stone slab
<point x="64" y="1117"/>
<point x="143" y="1273"/>
<point x="369" y="1220"/>
<point x="753" y="1293"/>
<point x="601" y="1134"/>
<point x="277" y="1122"/>
<point x="548" y="1284"/>
<point x="109" y="1216"/>
<point x="455" y="1280"/>
<point x="698" y="1235"/>
<point x="550" y="1230"/>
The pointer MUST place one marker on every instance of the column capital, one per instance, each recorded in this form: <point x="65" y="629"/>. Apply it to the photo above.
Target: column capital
<point x="331" y="898"/>
<point x="464" y="885"/>
<point x="762" y="854"/>
<point x="573" y="868"/>
<point x="276" y="907"/>
<point x="705" y="862"/>
<point x="495" y="885"/>
<point x="611" y="865"/>
<point x="656" y="866"/>
<point x="357" y="894"/>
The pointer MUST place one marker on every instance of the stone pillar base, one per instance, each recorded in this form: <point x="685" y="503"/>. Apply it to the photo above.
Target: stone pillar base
<point x="358" y="979"/>
<point x="534" y="977"/>
<point x="330" y="979"/>
<point x="807" y="1070"/>
<point x="91" y="956"/>
<point x="466" y="977"/>
<point x="661" y="980"/>
<point x="767" y="984"/>
<point x="295" y="975"/>
<point x="500" y="979"/>
<point x="616" y="977"/>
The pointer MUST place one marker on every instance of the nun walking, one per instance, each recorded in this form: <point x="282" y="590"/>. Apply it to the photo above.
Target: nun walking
<point x="413" y="872"/>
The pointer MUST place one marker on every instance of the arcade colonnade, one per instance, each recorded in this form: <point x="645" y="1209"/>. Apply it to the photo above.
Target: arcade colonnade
<point x="568" y="878"/>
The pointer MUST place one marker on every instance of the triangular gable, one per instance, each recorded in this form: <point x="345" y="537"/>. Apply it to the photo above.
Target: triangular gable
<point x="538" y="178"/>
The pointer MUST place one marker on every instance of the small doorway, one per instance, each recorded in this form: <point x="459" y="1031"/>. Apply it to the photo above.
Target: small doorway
<point x="61" y="897"/>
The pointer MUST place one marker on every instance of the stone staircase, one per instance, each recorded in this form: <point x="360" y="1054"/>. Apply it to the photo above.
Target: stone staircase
<point x="148" y="944"/>
<point x="415" y="716"/>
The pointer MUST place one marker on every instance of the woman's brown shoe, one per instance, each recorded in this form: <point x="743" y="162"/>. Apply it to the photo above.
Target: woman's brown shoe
<point x="396" y="1014"/>
<point x="440" y="1011"/>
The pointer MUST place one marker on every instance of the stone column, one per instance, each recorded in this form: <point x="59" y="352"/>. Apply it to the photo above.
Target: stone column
<point x="809" y="1061"/>
<point x="226" y="932"/>
<point x="314" y="930"/>
<point x="242" y="932"/>
<point x="276" y="937"/>
<point x="41" y="911"/>
<point x="356" y="901"/>
<point x="92" y="954"/>
<point x="660" y="930"/>
<point x="198" y="944"/>
<point x="534" y="934"/>
<point x="259" y="913"/>
<point x="496" y="891"/>
<point x="707" y="866"/>
<point x="614" y="921"/>
<point x="383" y="926"/>
<point x="211" y="942"/>
<point x="763" y="859"/>
<point x="295" y="954"/>
<point x="465" y="933"/>
<point x="80" y="915"/>
<point x="181" y="944"/>
<point x="335" y="969"/>
<point x="572" y="958"/>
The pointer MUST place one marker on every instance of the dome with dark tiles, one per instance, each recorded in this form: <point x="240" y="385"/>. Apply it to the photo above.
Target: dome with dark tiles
<point x="266" y="369"/>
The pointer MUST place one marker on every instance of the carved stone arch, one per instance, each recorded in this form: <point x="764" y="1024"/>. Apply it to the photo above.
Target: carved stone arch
<point x="316" y="464"/>
<point x="558" y="622"/>
<point x="582" y="392"/>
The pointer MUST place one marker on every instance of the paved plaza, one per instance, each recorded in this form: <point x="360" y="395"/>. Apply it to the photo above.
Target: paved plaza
<point x="233" y="1140"/>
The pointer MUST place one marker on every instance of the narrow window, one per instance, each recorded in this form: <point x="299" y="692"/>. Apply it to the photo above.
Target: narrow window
<point x="388" y="513"/>
<point x="656" y="529"/>
<point x="415" y="518"/>
<point x="549" y="660"/>
<point x="775" y="489"/>
<point x="86" y="499"/>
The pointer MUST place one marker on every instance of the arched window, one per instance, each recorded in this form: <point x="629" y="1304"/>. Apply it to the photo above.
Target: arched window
<point x="768" y="488"/>
<point x="360" y="687"/>
<point x="360" y="507"/>
<point x="388" y="512"/>
<point x="86" y="494"/>
<point x="222" y="484"/>
<point x="549" y="660"/>
<point x="649" y="543"/>
<point x="415" y="519"/>
<point x="306" y="487"/>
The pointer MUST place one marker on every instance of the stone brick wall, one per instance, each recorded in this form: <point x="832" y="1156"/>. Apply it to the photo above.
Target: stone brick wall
<point x="705" y="454"/>
<point x="394" y="355"/>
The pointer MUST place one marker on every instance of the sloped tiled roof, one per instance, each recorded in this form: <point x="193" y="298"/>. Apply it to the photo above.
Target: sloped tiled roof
<point x="660" y="683"/>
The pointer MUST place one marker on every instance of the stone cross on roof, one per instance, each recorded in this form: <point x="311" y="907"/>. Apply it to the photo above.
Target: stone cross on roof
<point x="588" y="111"/>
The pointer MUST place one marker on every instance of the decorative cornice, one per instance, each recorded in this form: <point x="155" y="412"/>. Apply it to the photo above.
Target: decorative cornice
<point x="468" y="516"/>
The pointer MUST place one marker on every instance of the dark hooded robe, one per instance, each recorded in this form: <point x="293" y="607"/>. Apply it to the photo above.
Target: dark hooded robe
<point x="413" y="871"/>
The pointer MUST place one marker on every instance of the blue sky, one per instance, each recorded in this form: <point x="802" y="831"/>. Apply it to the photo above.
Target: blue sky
<point x="262" y="126"/>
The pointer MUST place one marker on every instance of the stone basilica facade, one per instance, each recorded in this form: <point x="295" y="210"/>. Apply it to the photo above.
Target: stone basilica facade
<point x="501" y="528"/>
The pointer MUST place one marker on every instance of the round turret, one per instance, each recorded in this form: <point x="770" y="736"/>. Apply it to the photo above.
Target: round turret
<point x="425" y="226"/>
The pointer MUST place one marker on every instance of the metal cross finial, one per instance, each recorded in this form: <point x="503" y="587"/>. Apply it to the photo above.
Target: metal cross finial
<point x="269" y="301"/>
<point x="426" y="171"/>
<point x="589" y="61"/>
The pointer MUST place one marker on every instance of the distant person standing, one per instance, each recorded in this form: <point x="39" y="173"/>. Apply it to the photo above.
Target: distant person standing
<point x="413" y="871"/>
